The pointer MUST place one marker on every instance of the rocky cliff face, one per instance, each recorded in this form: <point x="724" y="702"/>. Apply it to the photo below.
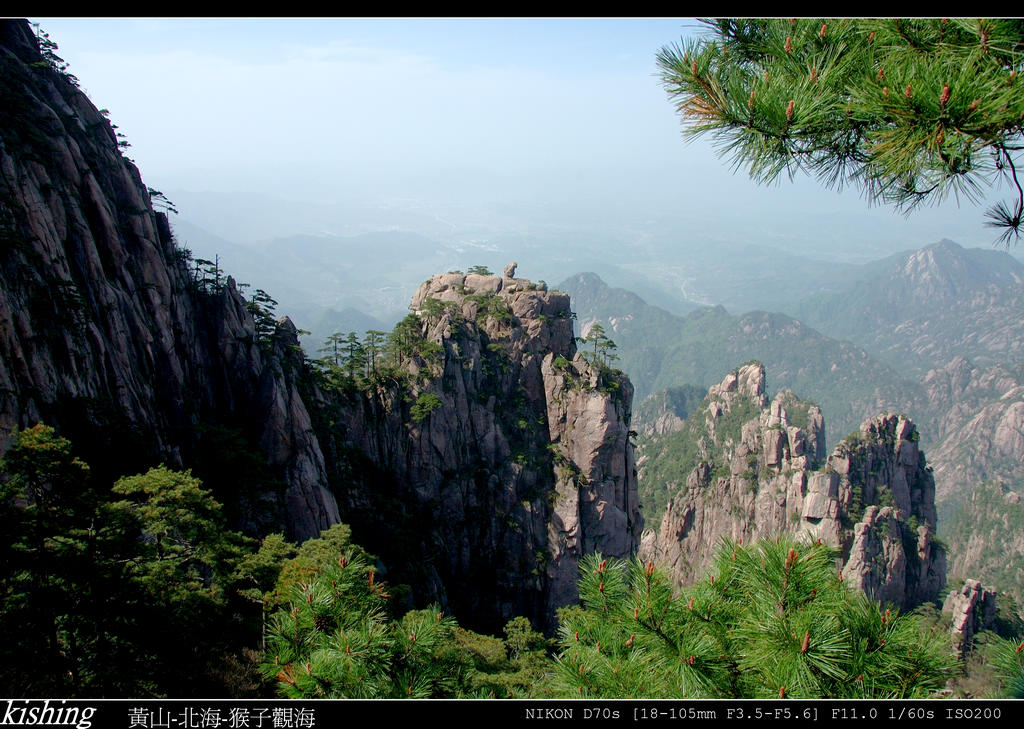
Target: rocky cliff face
<point x="760" y="471"/>
<point x="524" y="463"/>
<point x="980" y="414"/>
<point x="105" y="333"/>
<point x="973" y="609"/>
<point x="986" y="538"/>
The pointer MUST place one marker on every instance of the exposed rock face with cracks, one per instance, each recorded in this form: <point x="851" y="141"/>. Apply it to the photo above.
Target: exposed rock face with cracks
<point x="107" y="334"/>
<point x="524" y="464"/>
<point x="760" y="474"/>
<point x="973" y="609"/>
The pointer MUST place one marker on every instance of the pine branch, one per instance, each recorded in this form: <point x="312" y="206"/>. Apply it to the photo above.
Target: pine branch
<point x="901" y="108"/>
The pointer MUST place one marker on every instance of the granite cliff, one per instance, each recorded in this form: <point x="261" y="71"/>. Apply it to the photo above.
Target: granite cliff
<point x="973" y="609"/>
<point x="106" y="332"/>
<point x="979" y="413"/>
<point x="758" y="469"/>
<point x="521" y="465"/>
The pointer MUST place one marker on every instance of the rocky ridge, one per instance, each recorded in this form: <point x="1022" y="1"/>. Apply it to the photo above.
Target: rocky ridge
<point x="917" y="310"/>
<point x="524" y="464"/>
<point x="763" y="474"/>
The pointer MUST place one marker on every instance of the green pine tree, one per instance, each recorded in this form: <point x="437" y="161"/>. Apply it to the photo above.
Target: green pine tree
<point x="908" y="110"/>
<point x="102" y="586"/>
<point x="604" y="348"/>
<point x="772" y="620"/>
<point x="373" y="343"/>
<point x="1007" y="657"/>
<point x="47" y="576"/>
<point x="182" y="555"/>
<point x="334" y="637"/>
<point x="262" y="306"/>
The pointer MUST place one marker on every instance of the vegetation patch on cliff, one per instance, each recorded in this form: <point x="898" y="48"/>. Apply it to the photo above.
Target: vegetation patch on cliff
<point x="986" y="538"/>
<point x="667" y="461"/>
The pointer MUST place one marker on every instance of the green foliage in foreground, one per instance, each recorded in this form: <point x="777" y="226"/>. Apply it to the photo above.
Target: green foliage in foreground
<point x="336" y="640"/>
<point x="103" y="584"/>
<point x="1007" y="658"/>
<point x="141" y="590"/>
<point x="771" y="620"/>
<point x="334" y="637"/>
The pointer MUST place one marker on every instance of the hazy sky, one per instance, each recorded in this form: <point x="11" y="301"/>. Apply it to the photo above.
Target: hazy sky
<point x="566" y="110"/>
<point x="376" y="98"/>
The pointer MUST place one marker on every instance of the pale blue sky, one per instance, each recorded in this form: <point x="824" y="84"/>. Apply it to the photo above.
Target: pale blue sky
<point x="567" y="110"/>
<point x="499" y="95"/>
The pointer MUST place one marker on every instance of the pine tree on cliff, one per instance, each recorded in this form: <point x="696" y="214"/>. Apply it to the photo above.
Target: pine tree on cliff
<point x="772" y="620"/>
<point x="103" y="585"/>
<point x="908" y="110"/>
<point x="604" y="348"/>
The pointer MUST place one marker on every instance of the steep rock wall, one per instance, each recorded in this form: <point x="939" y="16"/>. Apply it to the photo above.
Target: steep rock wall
<point x="873" y="499"/>
<point x="105" y="333"/>
<point x="972" y="608"/>
<point x="523" y="465"/>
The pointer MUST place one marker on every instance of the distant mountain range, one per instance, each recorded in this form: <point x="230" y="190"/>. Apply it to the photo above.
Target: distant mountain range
<point x="660" y="350"/>
<point x="937" y="334"/>
<point x="916" y="311"/>
<point x="868" y="345"/>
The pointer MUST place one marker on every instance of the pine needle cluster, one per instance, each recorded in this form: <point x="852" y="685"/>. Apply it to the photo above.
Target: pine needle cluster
<point x="907" y="110"/>
<point x="334" y="635"/>
<point x="336" y="639"/>
<point x="1007" y="657"/>
<point x="771" y="620"/>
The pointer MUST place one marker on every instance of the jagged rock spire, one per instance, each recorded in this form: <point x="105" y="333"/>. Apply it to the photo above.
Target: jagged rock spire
<point x="871" y="499"/>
